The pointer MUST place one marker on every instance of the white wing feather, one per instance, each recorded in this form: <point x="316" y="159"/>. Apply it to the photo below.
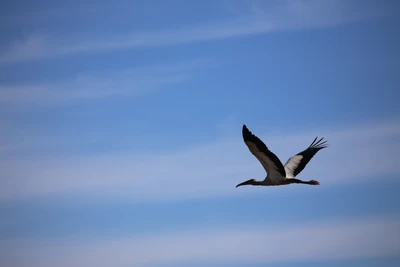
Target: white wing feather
<point x="291" y="165"/>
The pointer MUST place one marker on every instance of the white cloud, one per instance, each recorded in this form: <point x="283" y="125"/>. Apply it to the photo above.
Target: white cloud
<point x="257" y="19"/>
<point x="288" y="242"/>
<point x="356" y="154"/>
<point x="128" y="82"/>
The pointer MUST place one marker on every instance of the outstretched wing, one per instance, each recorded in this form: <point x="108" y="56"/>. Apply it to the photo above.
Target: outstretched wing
<point x="268" y="160"/>
<point x="296" y="164"/>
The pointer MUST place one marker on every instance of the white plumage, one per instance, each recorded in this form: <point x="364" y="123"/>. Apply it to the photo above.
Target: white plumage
<point x="292" y="164"/>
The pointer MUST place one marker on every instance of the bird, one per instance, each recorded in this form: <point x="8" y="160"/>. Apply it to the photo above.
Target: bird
<point x="278" y="174"/>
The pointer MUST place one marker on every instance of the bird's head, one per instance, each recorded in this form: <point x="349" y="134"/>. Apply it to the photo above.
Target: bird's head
<point x="251" y="181"/>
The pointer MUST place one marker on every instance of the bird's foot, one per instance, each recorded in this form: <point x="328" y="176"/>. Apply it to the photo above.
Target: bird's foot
<point x="313" y="182"/>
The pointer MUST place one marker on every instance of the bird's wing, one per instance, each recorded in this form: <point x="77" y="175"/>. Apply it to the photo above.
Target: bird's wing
<point x="296" y="164"/>
<point x="268" y="160"/>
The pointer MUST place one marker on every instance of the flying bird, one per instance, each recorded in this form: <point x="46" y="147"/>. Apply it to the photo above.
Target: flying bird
<point x="278" y="174"/>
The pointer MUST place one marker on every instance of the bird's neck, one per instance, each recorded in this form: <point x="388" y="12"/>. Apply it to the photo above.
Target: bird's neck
<point x="257" y="183"/>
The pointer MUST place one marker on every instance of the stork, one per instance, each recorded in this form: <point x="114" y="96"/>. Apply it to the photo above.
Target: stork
<point x="278" y="174"/>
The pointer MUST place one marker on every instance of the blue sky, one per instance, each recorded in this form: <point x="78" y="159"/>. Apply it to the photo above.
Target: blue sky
<point x="121" y="132"/>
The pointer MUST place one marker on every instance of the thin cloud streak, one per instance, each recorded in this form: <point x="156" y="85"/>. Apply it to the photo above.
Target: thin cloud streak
<point x="257" y="20"/>
<point x="355" y="154"/>
<point x="127" y="82"/>
<point x="318" y="240"/>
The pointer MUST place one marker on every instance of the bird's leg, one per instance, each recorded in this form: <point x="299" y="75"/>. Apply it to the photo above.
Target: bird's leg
<point x="313" y="182"/>
<point x="297" y="181"/>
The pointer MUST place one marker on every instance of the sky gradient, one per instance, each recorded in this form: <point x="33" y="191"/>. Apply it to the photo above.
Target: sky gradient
<point x="121" y="135"/>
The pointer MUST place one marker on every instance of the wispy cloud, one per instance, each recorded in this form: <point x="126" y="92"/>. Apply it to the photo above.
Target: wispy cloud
<point x="355" y="154"/>
<point x="127" y="82"/>
<point x="318" y="240"/>
<point x="257" y="19"/>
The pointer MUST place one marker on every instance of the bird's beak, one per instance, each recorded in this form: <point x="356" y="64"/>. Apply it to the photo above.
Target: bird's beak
<point x="244" y="183"/>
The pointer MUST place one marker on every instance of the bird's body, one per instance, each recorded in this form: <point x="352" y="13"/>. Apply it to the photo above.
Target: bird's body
<point x="277" y="173"/>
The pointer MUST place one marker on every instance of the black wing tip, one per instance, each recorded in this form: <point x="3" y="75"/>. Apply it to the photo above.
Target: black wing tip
<point x="245" y="131"/>
<point x="249" y="136"/>
<point x="319" y="144"/>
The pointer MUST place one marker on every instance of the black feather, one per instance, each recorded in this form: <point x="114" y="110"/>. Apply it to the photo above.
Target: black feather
<point x="308" y="154"/>
<point x="250" y="137"/>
